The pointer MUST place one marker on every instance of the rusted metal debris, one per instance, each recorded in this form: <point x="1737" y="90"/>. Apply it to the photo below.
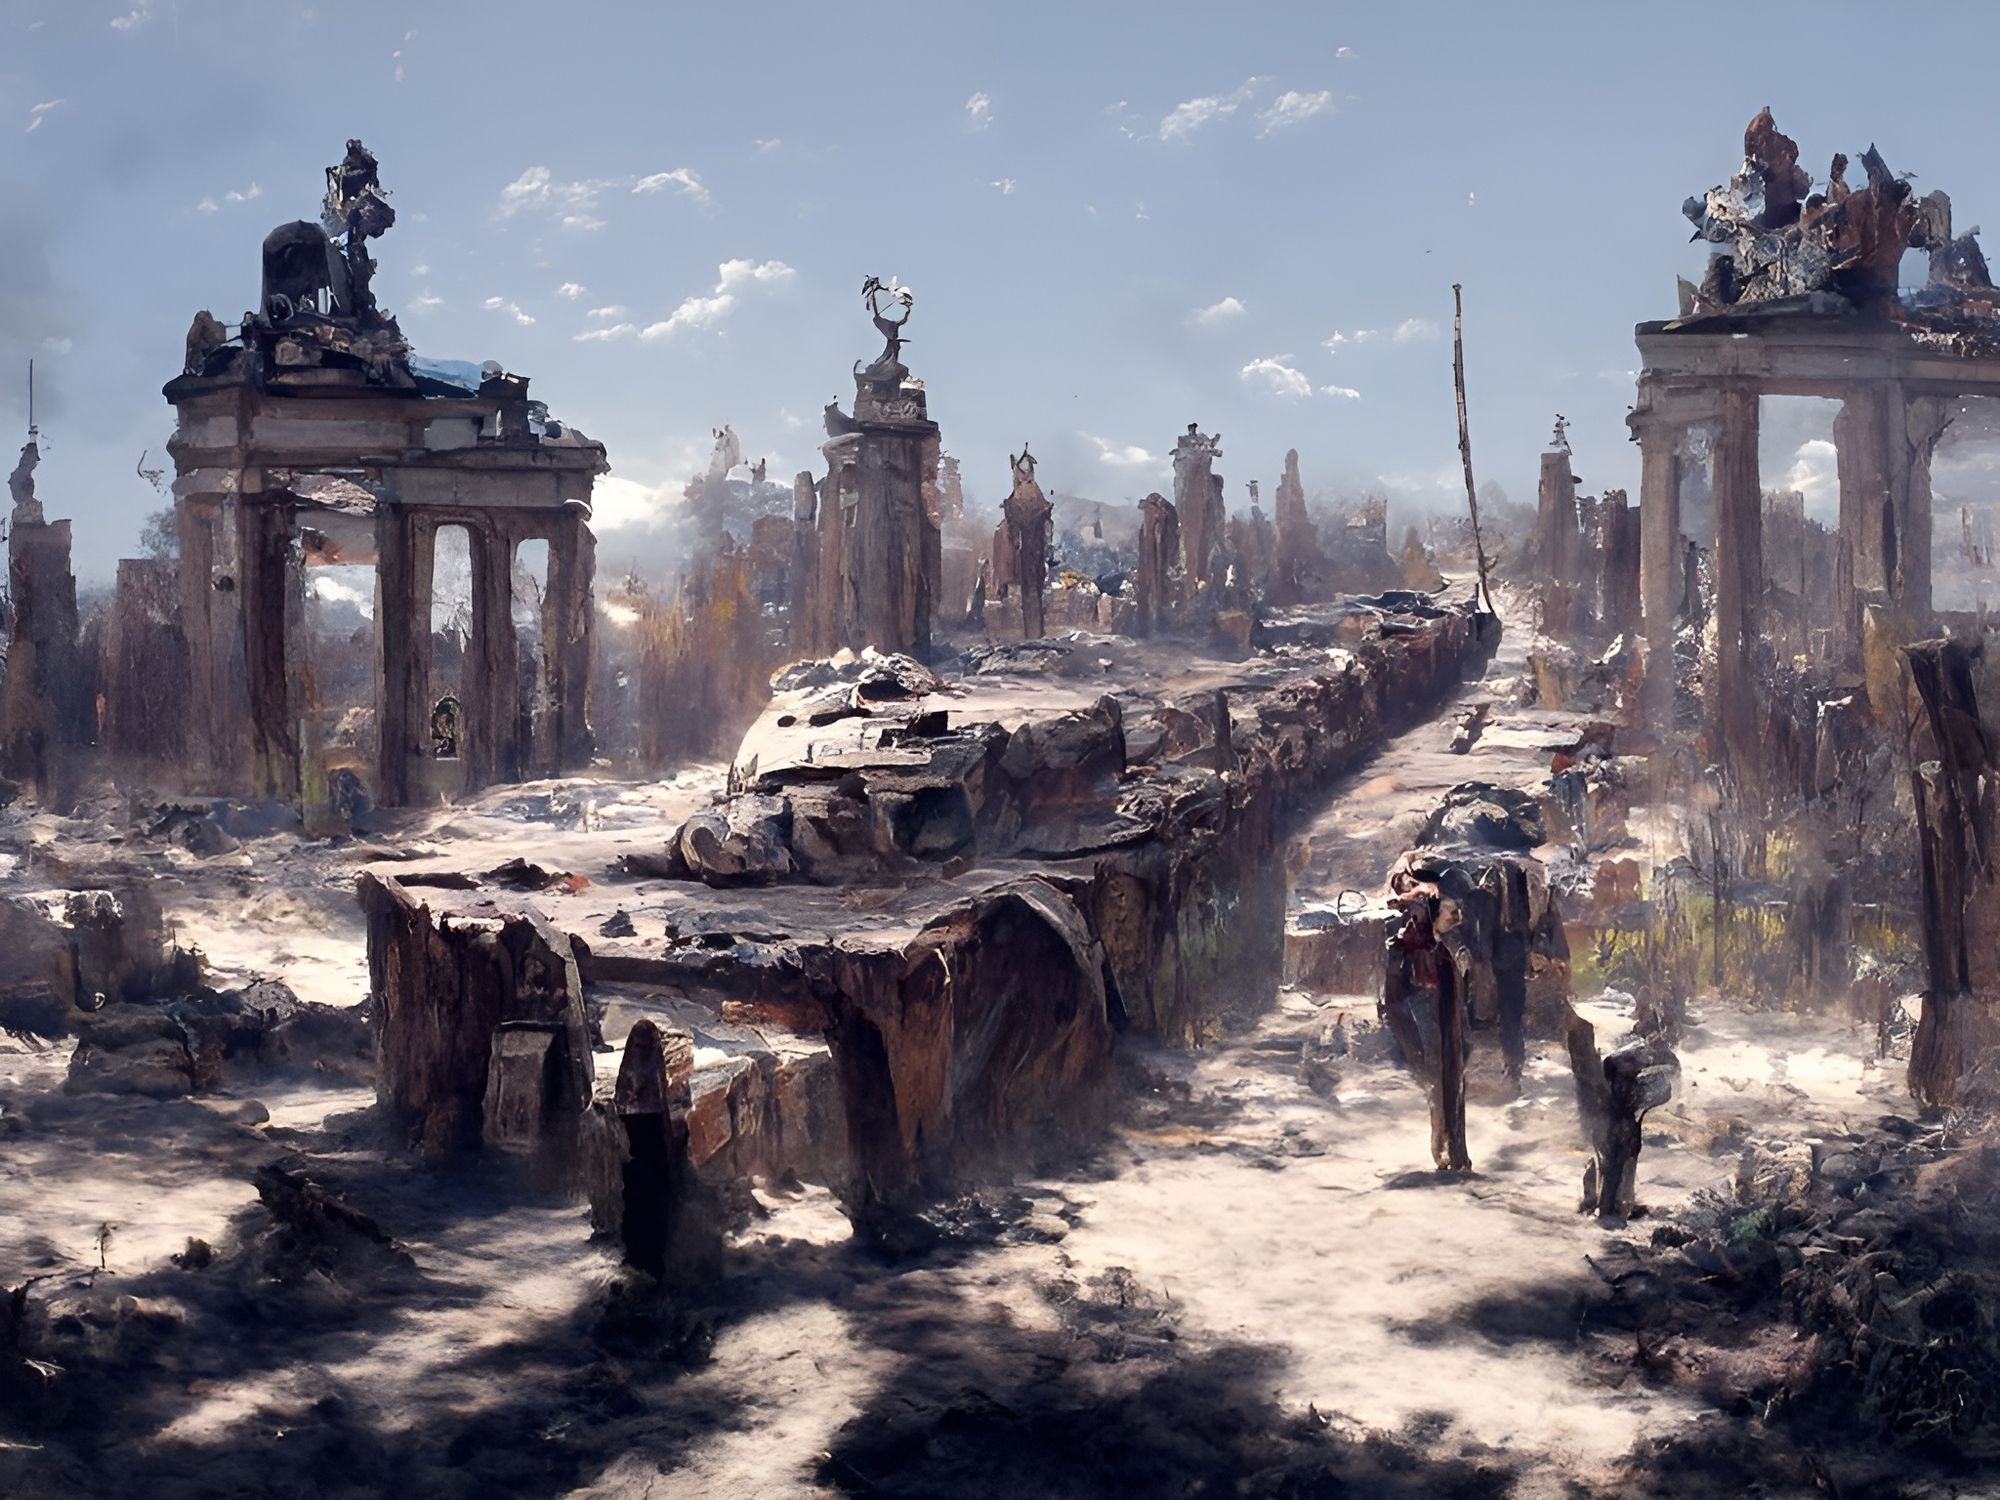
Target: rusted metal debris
<point x="1784" y="242"/>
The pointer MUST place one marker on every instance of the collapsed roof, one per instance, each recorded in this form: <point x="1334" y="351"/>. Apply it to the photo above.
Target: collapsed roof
<point x="1834" y="250"/>
<point x="317" y="328"/>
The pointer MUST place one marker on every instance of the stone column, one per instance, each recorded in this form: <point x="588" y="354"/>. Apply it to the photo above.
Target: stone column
<point x="1558" y="540"/>
<point x="930" y="538"/>
<point x="804" y="577"/>
<point x="1917" y="422"/>
<point x="405" y="546"/>
<point x="212" y="621"/>
<point x="492" y="751"/>
<point x="265" y="586"/>
<point x="569" y="617"/>
<point x="1618" y="564"/>
<point x="1739" y="584"/>
<point x="1198" y="502"/>
<point x="1661" y="564"/>
<point x="1299" y="562"/>
<point x="832" y="606"/>
<point x="1025" y="534"/>
<point x="889" y="544"/>
<point x="1867" y="518"/>
<point x="1159" y="543"/>
<point x="47" y="712"/>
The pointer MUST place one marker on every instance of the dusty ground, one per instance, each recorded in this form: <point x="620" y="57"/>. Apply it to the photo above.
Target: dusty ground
<point x="1255" y="1287"/>
<point x="1250" y="1274"/>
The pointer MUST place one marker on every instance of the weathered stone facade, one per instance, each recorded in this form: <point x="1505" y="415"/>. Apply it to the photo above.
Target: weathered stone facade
<point x="321" y="384"/>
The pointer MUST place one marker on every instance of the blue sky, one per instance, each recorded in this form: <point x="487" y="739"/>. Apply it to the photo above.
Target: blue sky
<point x="1116" y="218"/>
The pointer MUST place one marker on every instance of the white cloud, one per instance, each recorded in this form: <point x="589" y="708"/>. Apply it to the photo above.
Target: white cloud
<point x="613" y="311"/>
<point x="512" y="309"/>
<point x="1217" y="312"/>
<point x="1343" y="52"/>
<point x="1815" y="473"/>
<point x="1124" y="456"/>
<point x="575" y="203"/>
<point x="1334" y="342"/>
<point x="326" y="586"/>
<point x="234" y="195"/>
<point x="571" y="290"/>
<point x="1415" y="330"/>
<point x="1277" y="377"/>
<point x="1364" y="335"/>
<point x="57" y="345"/>
<point x="603" y="335"/>
<point x="624" y="504"/>
<point x="978" y="112"/>
<point x="1185" y="118"/>
<point x="767" y="144"/>
<point x="139" y="14"/>
<point x="1005" y="184"/>
<point x="1188" y="117"/>
<point x="1348" y="392"/>
<point x="39" y="113"/>
<point x="420" y="270"/>
<point x="730" y="277"/>
<point x="1294" y="108"/>
<point x="694" y="312"/>
<point x="426" y="301"/>
<point x="732" y="274"/>
<point x="681" y="180"/>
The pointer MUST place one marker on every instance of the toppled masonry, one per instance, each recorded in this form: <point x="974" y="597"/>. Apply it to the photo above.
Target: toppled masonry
<point x="952" y="892"/>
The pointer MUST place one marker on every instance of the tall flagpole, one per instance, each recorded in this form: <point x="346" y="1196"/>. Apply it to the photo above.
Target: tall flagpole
<point x="1465" y="435"/>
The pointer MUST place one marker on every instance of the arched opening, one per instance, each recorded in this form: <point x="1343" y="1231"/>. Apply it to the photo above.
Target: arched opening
<point x="336" y="653"/>
<point x="528" y="588"/>
<point x="1800" y="468"/>
<point x="1965" y="515"/>
<point x="450" y="638"/>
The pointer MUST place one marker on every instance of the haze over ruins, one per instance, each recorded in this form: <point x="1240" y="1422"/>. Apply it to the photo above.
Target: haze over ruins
<point x="996" y="754"/>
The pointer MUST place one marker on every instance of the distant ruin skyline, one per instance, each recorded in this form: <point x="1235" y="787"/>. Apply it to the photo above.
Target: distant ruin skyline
<point x="1117" y="223"/>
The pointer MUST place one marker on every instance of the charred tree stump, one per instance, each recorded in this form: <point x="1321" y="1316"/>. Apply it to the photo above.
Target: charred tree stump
<point x="1613" y="1094"/>
<point x="1956" y="813"/>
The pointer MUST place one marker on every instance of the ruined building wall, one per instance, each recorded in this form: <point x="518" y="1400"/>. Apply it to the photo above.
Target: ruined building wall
<point x="242" y="576"/>
<point x="48" y="701"/>
<point x="145" y="668"/>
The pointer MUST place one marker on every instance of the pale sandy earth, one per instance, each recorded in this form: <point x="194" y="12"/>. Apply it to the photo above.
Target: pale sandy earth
<point x="1253" y="1210"/>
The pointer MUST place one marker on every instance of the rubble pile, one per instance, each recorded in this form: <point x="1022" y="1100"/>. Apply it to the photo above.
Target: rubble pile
<point x="1841" y="1290"/>
<point x="953" y="892"/>
<point x="1843" y="243"/>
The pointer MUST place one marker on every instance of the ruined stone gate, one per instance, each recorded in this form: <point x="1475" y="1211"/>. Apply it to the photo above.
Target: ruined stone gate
<point x="1804" y="301"/>
<point x="310" y="436"/>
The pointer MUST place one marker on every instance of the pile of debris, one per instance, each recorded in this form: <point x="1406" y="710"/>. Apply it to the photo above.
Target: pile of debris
<point x="1840" y="245"/>
<point x="204" y="1039"/>
<point x="1841" y="1290"/>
